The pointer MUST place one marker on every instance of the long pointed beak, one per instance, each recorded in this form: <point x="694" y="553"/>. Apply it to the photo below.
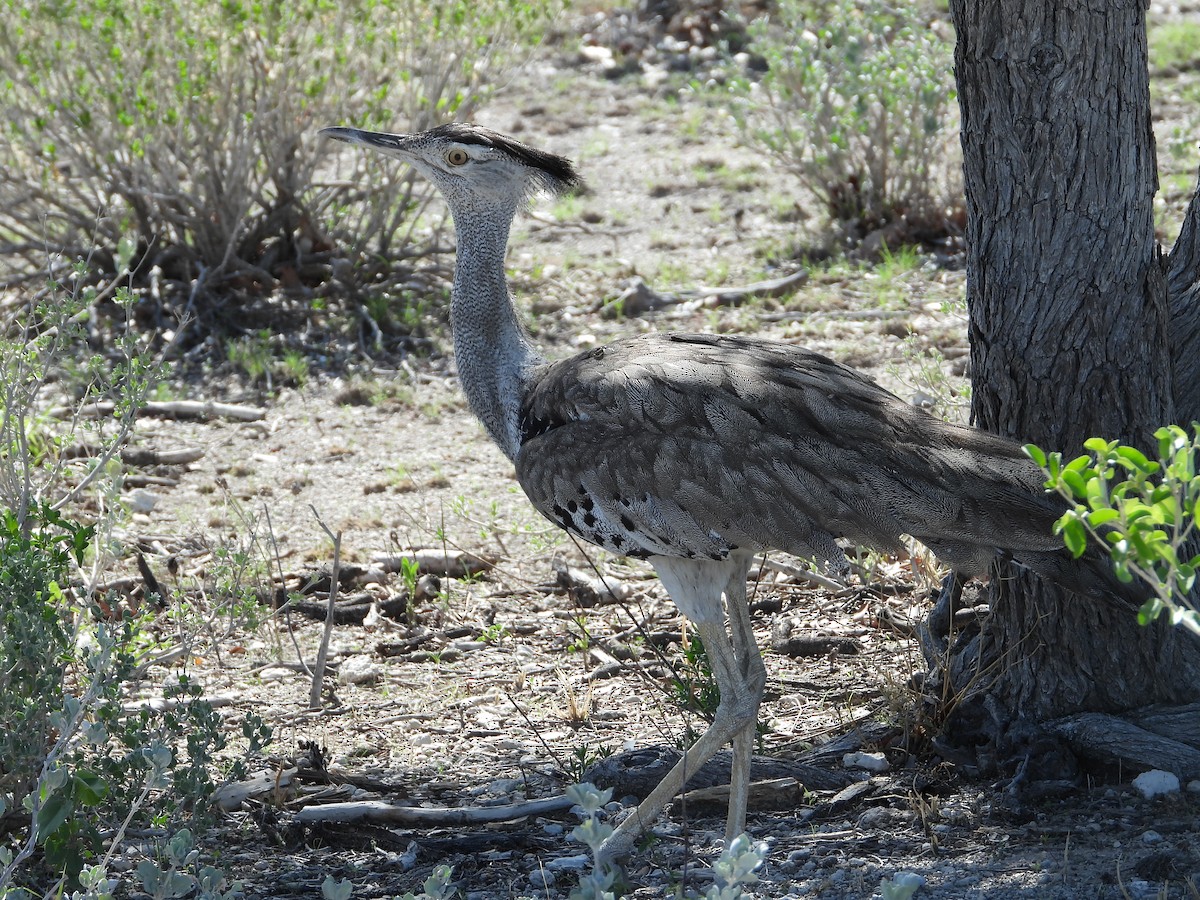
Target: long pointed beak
<point x="392" y="144"/>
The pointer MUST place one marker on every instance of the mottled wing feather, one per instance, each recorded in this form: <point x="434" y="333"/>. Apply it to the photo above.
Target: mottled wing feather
<point x="692" y="445"/>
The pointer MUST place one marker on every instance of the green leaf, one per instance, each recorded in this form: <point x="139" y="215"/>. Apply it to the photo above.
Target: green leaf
<point x="1136" y="459"/>
<point x="1078" y="464"/>
<point x="54" y="812"/>
<point x="1075" y="537"/>
<point x="1099" y="517"/>
<point x="1075" y="483"/>
<point x="1035" y="453"/>
<point x="90" y="788"/>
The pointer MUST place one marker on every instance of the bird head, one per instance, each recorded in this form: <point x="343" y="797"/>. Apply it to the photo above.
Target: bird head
<point x="469" y="163"/>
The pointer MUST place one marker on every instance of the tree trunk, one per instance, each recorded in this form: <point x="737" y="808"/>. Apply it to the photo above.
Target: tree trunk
<point x="1069" y="313"/>
<point x="1184" y="286"/>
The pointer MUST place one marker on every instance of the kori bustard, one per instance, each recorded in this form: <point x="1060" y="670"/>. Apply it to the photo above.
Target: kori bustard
<point x="696" y="451"/>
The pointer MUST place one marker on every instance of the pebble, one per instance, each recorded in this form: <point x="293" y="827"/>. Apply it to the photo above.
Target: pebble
<point x="1194" y="786"/>
<point x="907" y="880"/>
<point x="540" y="879"/>
<point x="359" y="670"/>
<point x="1151" y="837"/>
<point x="141" y="501"/>
<point x="553" y="829"/>
<point x="1155" y="783"/>
<point x="569" y="863"/>
<point x="872" y="762"/>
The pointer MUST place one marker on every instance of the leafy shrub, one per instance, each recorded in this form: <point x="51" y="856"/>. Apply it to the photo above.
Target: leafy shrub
<point x="45" y="350"/>
<point x="857" y="103"/>
<point x="71" y="756"/>
<point x="1143" y="512"/>
<point x="35" y="562"/>
<point x="192" y="127"/>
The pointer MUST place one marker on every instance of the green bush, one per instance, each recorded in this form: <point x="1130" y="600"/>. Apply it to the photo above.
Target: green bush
<point x="35" y="642"/>
<point x="1142" y="512"/>
<point x="857" y="102"/>
<point x="76" y="766"/>
<point x="192" y="127"/>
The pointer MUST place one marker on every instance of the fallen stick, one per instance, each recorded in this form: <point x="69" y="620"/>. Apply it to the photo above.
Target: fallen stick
<point x="447" y="563"/>
<point x="773" y="793"/>
<point x="639" y="297"/>
<point x="145" y="456"/>
<point x="171" y="409"/>
<point x="384" y="813"/>
<point x="775" y="565"/>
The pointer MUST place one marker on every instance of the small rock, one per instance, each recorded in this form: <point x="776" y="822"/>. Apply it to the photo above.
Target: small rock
<point x="1151" y="837"/>
<point x="569" y="863"/>
<point x="1194" y="786"/>
<point x="553" y="829"/>
<point x="141" y="501"/>
<point x="359" y="670"/>
<point x="905" y="881"/>
<point x="1155" y="783"/>
<point x="872" y="762"/>
<point x="540" y="879"/>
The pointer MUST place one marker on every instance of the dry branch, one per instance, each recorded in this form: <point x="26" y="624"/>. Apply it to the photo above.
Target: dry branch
<point x="435" y="561"/>
<point x="773" y="793"/>
<point x="640" y="298"/>
<point x="1116" y="740"/>
<point x="170" y="409"/>
<point x="379" y="812"/>
<point x="314" y="697"/>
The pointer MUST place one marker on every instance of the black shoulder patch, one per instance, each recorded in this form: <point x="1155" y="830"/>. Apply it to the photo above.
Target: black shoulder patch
<point x="532" y="424"/>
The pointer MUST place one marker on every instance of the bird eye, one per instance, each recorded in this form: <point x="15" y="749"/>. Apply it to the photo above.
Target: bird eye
<point x="456" y="156"/>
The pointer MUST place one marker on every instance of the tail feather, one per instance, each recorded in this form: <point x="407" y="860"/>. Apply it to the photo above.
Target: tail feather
<point x="1091" y="575"/>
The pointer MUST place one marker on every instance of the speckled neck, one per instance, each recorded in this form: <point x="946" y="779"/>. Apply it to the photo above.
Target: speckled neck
<point x="492" y="350"/>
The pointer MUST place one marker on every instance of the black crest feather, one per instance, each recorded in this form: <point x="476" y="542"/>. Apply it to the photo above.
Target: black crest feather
<point x="556" y="174"/>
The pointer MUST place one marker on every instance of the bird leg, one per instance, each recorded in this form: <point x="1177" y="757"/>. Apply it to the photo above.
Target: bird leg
<point x="752" y="676"/>
<point x="740" y="676"/>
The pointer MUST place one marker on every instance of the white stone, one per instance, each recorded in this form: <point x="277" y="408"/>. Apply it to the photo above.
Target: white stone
<point x="902" y="886"/>
<point x="872" y="762"/>
<point x="141" y="501"/>
<point x="359" y="670"/>
<point x="1156" y="783"/>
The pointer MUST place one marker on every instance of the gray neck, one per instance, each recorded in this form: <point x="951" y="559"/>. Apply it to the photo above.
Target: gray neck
<point x="491" y="348"/>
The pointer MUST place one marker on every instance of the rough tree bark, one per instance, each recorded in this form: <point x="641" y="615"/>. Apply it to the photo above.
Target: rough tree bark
<point x="1074" y="318"/>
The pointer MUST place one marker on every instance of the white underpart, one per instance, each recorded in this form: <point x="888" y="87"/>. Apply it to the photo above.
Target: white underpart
<point x="695" y="585"/>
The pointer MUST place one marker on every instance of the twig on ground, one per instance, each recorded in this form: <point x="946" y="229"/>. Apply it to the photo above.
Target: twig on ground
<point x="377" y="811"/>
<point x="314" y="697"/>
<point x="172" y="409"/>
